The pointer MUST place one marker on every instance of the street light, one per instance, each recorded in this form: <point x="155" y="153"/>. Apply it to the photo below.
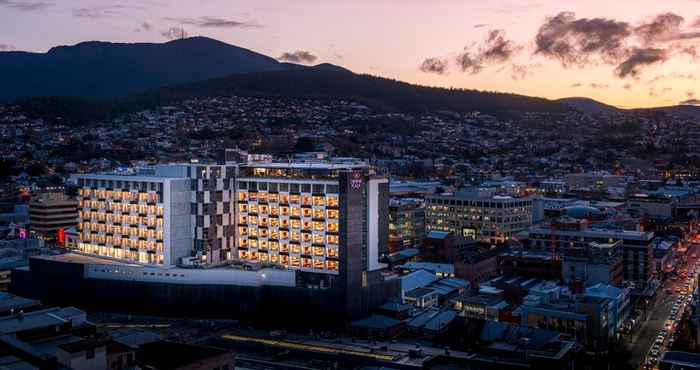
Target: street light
<point x="646" y="302"/>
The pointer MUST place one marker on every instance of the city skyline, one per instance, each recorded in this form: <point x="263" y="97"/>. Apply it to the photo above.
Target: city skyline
<point x="626" y="53"/>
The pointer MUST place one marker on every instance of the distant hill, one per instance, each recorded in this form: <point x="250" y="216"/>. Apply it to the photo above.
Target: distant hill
<point x="381" y="94"/>
<point x="104" y="69"/>
<point x="589" y="106"/>
<point x="679" y="110"/>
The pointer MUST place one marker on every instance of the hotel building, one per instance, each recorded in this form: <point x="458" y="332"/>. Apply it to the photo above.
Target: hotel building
<point x="318" y="229"/>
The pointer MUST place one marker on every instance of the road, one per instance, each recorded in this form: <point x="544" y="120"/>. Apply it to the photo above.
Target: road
<point x="644" y="334"/>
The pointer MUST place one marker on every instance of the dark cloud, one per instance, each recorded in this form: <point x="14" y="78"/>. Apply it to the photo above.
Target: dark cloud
<point x="494" y="49"/>
<point x="173" y="33"/>
<point x="6" y="47"/>
<point x="598" y="86"/>
<point x="627" y="86"/>
<point x="639" y="58"/>
<point x="144" y="26"/>
<point x="434" y="65"/>
<point x="689" y="94"/>
<point x="575" y="42"/>
<point x="663" y="27"/>
<point x="25" y="6"/>
<point x="696" y="22"/>
<point x="518" y="72"/>
<point x="690" y="102"/>
<point x="212" y="22"/>
<point x="575" y="85"/>
<point x="480" y="25"/>
<point x="297" y="57"/>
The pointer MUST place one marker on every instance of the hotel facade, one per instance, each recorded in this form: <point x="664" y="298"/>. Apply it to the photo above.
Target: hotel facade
<point x="322" y="225"/>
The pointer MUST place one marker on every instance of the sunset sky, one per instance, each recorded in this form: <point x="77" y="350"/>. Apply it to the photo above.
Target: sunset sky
<point x="627" y="53"/>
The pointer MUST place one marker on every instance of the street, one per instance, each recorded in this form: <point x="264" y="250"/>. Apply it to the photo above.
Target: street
<point x="645" y="333"/>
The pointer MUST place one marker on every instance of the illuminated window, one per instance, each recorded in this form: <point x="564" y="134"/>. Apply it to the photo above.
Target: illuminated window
<point x="306" y="212"/>
<point x="296" y="248"/>
<point x="294" y="236"/>
<point x="318" y="238"/>
<point x="332" y="265"/>
<point x="332" y="239"/>
<point x="305" y="249"/>
<point x="306" y="200"/>
<point x="253" y="208"/>
<point x="332" y="252"/>
<point x="332" y="213"/>
<point x="319" y="264"/>
<point x="294" y="199"/>
<point x="242" y="196"/>
<point x="318" y="225"/>
<point x="284" y="248"/>
<point x="295" y="261"/>
<point x="306" y="262"/>
<point x="295" y="224"/>
<point x="318" y="213"/>
<point x="319" y="201"/>
<point x="333" y="201"/>
<point x="243" y="207"/>
<point x="274" y="246"/>
<point x="319" y="251"/>
<point x="332" y="226"/>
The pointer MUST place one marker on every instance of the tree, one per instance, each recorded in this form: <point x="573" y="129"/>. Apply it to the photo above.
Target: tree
<point x="304" y="144"/>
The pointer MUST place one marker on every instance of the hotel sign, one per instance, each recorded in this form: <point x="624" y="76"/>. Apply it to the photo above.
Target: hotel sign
<point x="356" y="180"/>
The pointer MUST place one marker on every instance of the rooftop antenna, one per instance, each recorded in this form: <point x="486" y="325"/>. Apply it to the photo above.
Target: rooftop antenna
<point x="182" y="33"/>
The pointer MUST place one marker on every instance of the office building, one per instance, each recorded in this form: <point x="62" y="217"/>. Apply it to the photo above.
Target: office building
<point x="478" y="214"/>
<point x="50" y="213"/>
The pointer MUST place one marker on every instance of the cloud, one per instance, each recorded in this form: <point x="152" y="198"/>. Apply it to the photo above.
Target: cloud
<point x="479" y="25"/>
<point x="629" y="48"/>
<point x="97" y="12"/>
<point x="598" y="86"/>
<point x="144" y="26"/>
<point x="6" y="47"/>
<point x="690" y="102"/>
<point x="495" y="48"/>
<point x="434" y="65"/>
<point x="25" y="6"/>
<point x="213" y="22"/>
<point x="639" y="58"/>
<point x="575" y="85"/>
<point x="663" y="27"/>
<point x="627" y="86"/>
<point x="576" y="42"/>
<point x="173" y="33"/>
<point x="689" y="94"/>
<point x="518" y="72"/>
<point x="297" y="57"/>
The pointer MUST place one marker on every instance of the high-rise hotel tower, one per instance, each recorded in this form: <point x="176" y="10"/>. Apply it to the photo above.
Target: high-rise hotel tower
<point x="318" y="228"/>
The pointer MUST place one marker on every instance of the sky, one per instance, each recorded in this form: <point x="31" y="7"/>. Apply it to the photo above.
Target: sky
<point x="626" y="53"/>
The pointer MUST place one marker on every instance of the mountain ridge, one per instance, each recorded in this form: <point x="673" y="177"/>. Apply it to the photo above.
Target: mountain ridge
<point x="105" y="69"/>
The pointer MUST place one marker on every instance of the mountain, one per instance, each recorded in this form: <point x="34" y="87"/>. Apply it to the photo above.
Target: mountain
<point x="679" y="110"/>
<point x="381" y="94"/>
<point x="104" y="69"/>
<point x="589" y="106"/>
